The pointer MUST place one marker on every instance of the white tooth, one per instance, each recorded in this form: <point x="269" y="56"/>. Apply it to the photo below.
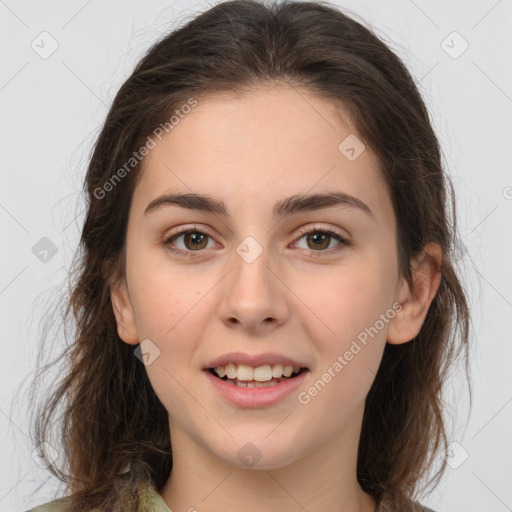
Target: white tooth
<point x="263" y="373"/>
<point x="277" y="371"/>
<point x="251" y="384"/>
<point x="287" y="371"/>
<point x="231" y="371"/>
<point x="220" y="371"/>
<point x="296" y="369"/>
<point x="265" y="384"/>
<point x="241" y="384"/>
<point x="244" y="372"/>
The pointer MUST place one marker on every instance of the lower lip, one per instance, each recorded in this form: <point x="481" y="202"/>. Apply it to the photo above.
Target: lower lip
<point x="253" y="398"/>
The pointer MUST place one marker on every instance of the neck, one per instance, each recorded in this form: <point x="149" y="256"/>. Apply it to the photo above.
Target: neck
<point x="324" y="480"/>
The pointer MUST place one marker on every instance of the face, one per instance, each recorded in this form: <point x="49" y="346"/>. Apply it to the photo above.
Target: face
<point x="316" y="287"/>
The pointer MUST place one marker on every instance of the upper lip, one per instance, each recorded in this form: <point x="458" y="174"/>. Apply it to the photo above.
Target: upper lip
<point x="254" y="360"/>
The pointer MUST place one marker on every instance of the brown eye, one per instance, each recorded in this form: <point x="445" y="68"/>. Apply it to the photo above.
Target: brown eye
<point x="192" y="240"/>
<point x="195" y="239"/>
<point x="319" y="240"/>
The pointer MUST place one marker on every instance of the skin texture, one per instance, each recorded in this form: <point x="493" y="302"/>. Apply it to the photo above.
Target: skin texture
<point x="296" y="299"/>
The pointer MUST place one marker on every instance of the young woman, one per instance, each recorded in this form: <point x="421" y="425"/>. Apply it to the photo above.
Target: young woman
<point x="266" y="305"/>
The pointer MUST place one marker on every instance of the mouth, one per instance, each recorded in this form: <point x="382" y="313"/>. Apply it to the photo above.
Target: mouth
<point x="246" y="376"/>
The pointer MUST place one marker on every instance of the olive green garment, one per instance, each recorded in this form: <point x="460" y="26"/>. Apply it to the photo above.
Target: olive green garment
<point x="151" y="501"/>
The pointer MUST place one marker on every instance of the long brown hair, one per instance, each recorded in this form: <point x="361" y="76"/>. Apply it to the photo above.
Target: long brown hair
<point x="114" y="431"/>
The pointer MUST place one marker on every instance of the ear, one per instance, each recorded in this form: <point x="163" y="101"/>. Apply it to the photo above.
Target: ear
<point x="415" y="302"/>
<point x="123" y="311"/>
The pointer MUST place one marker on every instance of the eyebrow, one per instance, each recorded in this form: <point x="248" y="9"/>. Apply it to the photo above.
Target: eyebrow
<point x="294" y="204"/>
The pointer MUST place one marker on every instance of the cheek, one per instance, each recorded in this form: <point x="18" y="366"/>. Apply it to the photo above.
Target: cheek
<point x="169" y="304"/>
<point x="354" y="312"/>
<point x="347" y="302"/>
<point x="170" y="310"/>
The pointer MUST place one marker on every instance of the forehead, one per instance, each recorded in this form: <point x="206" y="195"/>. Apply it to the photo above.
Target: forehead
<point x="253" y="149"/>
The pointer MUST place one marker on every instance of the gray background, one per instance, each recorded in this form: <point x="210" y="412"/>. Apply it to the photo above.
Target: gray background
<point x="52" y="109"/>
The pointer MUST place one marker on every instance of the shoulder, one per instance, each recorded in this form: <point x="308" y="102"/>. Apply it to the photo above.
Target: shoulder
<point x="150" y="500"/>
<point x="387" y="504"/>
<point x="418" y="507"/>
<point x="59" y="505"/>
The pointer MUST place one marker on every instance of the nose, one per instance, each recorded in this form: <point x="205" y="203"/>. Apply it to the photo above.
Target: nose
<point x="254" y="295"/>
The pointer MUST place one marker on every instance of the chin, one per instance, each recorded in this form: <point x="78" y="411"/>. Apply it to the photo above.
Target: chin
<point x="258" y="453"/>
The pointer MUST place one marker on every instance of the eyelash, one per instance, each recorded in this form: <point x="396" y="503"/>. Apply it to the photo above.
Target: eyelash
<point x="302" y="231"/>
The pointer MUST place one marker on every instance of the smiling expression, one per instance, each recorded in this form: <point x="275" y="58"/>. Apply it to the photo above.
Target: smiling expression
<point x="253" y="238"/>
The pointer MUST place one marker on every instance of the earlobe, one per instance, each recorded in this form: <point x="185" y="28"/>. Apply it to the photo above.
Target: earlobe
<point x="415" y="302"/>
<point x="123" y="311"/>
